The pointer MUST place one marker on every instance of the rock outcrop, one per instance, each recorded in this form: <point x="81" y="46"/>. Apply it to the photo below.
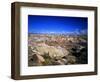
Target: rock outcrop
<point x="47" y="55"/>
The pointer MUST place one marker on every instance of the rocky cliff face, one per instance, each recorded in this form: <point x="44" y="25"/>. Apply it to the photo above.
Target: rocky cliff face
<point x="49" y="55"/>
<point x="57" y="50"/>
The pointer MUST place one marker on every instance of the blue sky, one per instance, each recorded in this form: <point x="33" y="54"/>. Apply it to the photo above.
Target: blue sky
<point x="56" y="24"/>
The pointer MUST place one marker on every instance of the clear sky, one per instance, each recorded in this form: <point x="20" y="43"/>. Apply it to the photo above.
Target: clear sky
<point x="56" y="24"/>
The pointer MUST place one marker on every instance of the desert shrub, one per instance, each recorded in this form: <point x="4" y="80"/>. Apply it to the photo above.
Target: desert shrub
<point x="47" y="59"/>
<point x="47" y="62"/>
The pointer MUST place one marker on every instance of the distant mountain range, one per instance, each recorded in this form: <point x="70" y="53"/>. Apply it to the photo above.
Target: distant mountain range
<point x="82" y="32"/>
